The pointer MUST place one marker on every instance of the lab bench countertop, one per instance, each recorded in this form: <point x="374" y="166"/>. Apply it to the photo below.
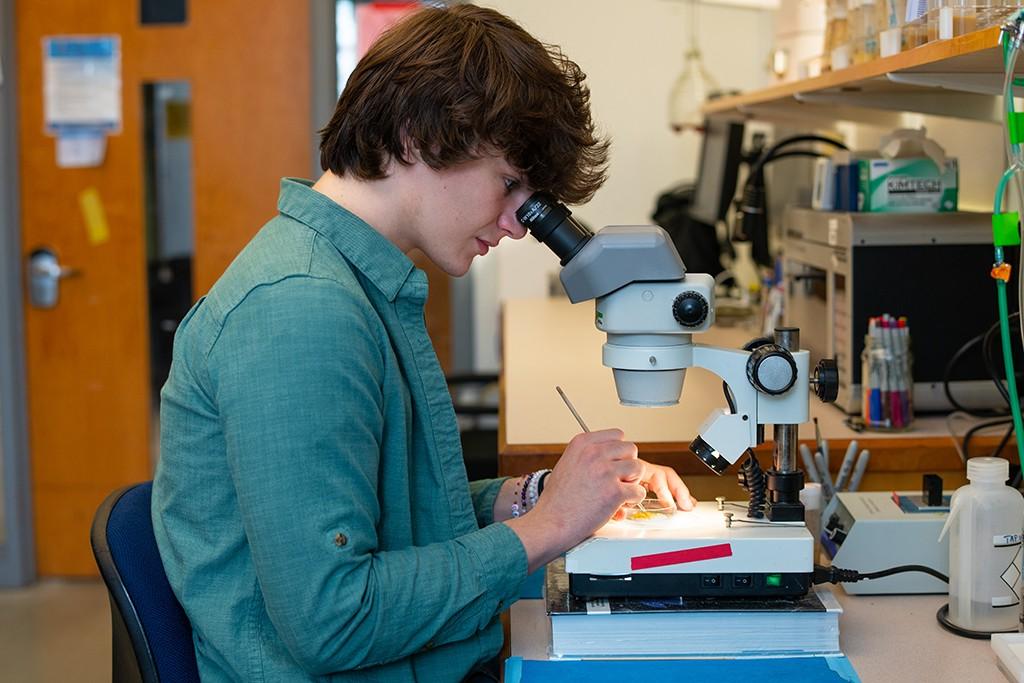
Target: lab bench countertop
<point x="887" y="638"/>
<point x="548" y="342"/>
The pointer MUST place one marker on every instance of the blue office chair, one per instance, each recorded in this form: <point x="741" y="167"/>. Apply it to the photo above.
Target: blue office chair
<point x="152" y="635"/>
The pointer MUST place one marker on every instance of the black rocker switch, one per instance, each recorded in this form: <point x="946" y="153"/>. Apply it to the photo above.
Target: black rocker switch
<point x="931" y="490"/>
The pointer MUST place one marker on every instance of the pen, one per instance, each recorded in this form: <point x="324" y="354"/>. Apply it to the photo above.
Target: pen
<point x="858" y="470"/>
<point x="809" y="466"/>
<point x="826" y="480"/>
<point x="874" y="389"/>
<point x="822" y="444"/>
<point x="847" y="466"/>
<point x="817" y="435"/>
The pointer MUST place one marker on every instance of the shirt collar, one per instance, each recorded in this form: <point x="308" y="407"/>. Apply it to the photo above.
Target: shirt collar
<point x="374" y="255"/>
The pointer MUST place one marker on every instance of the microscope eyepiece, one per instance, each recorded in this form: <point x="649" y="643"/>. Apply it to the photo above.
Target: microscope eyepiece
<point x="552" y="224"/>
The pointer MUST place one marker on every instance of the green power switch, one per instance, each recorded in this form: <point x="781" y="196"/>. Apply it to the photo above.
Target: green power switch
<point x="773" y="580"/>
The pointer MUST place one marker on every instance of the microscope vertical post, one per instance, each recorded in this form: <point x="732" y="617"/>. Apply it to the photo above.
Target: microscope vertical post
<point x="786" y="435"/>
<point x="785" y="480"/>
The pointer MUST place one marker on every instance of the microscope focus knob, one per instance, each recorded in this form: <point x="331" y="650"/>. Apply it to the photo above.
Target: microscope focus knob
<point x="690" y="309"/>
<point x="826" y="380"/>
<point x="771" y="369"/>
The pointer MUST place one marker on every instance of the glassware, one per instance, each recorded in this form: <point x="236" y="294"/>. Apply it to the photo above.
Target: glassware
<point x="689" y="92"/>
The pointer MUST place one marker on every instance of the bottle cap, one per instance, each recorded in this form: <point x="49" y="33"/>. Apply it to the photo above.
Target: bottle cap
<point x="988" y="470"/>
<point x="810" y="496"/>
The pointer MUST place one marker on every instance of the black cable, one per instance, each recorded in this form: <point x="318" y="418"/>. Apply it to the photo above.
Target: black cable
<point x="994" y="368"/>
<point x="752" y="480"/>
<point x="947" y="375"/>
<point x="943" y="617"/>
<point x="796" y="153"/>
<point x="770" y="153"/>
<point x="824" y="574"/>
<point x="965" y="445"/>
<point x="1002" y="444"/>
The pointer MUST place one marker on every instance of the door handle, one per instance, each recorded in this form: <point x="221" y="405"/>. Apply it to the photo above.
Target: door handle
<point x="44" y="275"/>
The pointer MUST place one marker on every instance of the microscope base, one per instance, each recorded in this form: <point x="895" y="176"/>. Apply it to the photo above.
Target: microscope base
<point x="694" y="554"/>
<point x="705" y="585"/>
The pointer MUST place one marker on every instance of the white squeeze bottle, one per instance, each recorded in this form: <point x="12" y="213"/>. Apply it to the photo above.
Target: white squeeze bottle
<point x="986" y="522"/>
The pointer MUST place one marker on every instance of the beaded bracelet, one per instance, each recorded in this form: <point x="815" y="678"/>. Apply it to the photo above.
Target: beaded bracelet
<point x="516" y="509"/>
<point x="524" y="495"/>
<point x="533" y="488"/>
<point x="541" y="481"/>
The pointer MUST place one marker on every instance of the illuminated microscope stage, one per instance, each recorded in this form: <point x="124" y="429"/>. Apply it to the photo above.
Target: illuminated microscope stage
<point x="693" y="554"/>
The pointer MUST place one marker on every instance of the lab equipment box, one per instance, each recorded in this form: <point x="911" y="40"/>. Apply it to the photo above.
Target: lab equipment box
<point x="841" y="269"/>
<point x="871" y="530"/>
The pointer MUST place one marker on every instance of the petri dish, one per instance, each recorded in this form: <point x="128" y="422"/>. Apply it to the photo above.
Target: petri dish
<point x="652" y="509"/>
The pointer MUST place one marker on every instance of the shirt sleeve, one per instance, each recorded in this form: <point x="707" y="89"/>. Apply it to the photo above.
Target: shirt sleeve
<point x="483" y="493"/>
<point x="297" y="372"/>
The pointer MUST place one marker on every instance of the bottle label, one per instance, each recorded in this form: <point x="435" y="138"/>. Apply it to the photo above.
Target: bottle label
<point x="1008" y="554"/>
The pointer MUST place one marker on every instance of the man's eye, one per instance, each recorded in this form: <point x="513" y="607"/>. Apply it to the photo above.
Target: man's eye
<point x="511" y="184"/>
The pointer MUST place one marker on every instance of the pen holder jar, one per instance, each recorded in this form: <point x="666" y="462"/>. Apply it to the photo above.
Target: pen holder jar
<point x="887" y="384"/>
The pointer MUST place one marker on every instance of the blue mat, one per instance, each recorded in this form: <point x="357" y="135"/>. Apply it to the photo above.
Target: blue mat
<point x="835" y="669"/>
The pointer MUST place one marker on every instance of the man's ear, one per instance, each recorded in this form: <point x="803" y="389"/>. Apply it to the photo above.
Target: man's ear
<point x="410" y="150"/>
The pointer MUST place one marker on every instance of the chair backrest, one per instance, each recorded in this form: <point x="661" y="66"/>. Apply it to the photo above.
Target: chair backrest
<point x="152" y="635"/>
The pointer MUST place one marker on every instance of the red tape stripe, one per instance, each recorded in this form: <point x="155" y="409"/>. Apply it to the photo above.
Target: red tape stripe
<point x="707" y="552"/>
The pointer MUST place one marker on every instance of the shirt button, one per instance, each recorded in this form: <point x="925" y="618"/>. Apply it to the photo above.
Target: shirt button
<point x="340" y="540"/>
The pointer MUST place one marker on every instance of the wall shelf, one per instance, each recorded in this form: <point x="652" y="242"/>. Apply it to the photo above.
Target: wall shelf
<point x="954" y="78"/>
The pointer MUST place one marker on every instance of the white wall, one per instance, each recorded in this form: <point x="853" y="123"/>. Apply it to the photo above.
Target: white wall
<point x="632" y="53"/>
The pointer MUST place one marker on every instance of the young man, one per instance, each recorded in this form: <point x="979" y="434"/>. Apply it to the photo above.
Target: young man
<point x="311" y="505"/>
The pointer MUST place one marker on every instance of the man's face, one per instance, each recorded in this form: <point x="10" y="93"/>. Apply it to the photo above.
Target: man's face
<point x="461" y="212"/>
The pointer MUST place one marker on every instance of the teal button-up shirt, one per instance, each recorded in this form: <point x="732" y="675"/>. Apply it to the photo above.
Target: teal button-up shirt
<point x="311" y="505"/>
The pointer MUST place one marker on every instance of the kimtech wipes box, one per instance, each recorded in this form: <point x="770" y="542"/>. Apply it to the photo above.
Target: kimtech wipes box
<point x="910" y="173"/>
<point x="907" y="185"/>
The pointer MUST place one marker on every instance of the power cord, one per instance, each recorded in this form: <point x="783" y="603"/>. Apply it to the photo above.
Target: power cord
<point x="823" y="574"/>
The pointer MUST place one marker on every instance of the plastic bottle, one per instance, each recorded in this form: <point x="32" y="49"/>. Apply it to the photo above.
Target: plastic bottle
<point x="986" y="522"/>
<point x="811" y="497"/>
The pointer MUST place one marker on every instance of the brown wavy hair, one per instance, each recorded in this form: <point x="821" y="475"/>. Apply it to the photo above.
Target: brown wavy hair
<point x="460" y="80"/>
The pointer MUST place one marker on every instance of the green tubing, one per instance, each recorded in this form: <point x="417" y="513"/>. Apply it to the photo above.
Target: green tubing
<point x="1013" y="135"/>
<point x="1011" y="377"/>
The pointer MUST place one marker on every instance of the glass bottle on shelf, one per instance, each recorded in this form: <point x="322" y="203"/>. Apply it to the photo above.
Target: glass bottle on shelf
<point x="856" y="23"/>
<point x="689" y="92"/>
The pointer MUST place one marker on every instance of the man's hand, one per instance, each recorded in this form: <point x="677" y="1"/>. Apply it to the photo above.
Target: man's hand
<point x="596" y="475"/>
<point x="663" y="482"/>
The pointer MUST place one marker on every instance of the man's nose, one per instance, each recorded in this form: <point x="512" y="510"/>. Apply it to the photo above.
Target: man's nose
<point x="507" y="221"/>
<point x="508" y="225"/>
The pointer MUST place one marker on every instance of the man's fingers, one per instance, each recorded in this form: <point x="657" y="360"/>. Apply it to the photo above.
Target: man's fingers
<point x="683" y="498"/>
<point x="603" y="435"/>
<point x="629" y="470"/>
<point x="636" y="493"/>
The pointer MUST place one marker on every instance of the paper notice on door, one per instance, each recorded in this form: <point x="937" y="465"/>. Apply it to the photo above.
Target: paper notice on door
<point x="95" y="217"/>
<point x="81" y="148"/>
<point x="82" y="82"/>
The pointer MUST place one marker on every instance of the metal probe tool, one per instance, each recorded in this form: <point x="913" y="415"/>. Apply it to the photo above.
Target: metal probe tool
<point x="583" y="425"/>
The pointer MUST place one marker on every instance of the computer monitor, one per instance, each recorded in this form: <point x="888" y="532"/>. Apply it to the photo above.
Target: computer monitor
<point x="720" y="158"/>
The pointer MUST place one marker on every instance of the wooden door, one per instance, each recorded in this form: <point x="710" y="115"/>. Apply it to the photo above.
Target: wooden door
<point x="248" y="66"/>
